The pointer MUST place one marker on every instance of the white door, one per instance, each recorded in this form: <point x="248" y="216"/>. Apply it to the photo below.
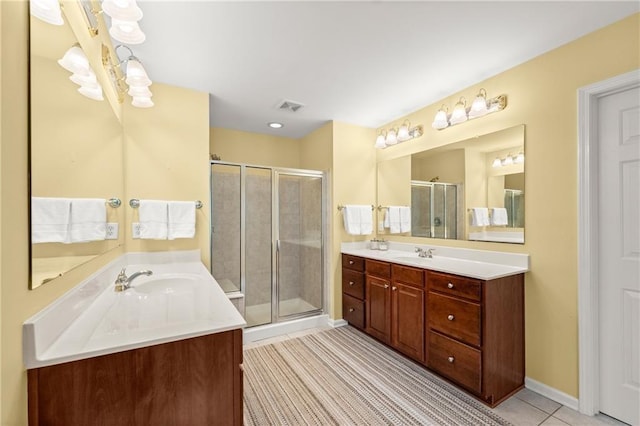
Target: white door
<point x="619" y="254"/>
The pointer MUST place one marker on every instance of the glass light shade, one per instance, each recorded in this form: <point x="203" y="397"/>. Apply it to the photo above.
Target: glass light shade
<point x="126" y="10"/>
<point x="508" y="160"/>
<point x="380" y="141"/>
<point x="391" y="138"/>
<point x="127" y="32"/>
<point x="85" y="80"/>
<point x="519" y="158"/>
<point x="47" y="11"/>
<point x="142" y="91"/>
<point x="142" y="102"/>
<point x="75" y="61"/>
<point x="403" y="133"/>
<point x="496" y="163"/>
<point x="95" y="94"/>
<point x="440" y="121"/>
<point x="459" y="114"/>
<point x="136" y="74"/>
<point x="478" y="107"/>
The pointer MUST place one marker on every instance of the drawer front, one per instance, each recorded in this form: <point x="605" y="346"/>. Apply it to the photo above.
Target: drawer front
<point x="454" y="317"/>
<point x="408" y="275"/>
<point x="353" y="311"/>
<point x="455" y="285"/>
<point x="353" y="283"/>
<point x="456" y="361"/>
<point x="353" y="262"/>
<point x="379" y="269"/>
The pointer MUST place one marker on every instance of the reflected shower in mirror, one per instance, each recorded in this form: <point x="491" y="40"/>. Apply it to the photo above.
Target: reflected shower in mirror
<point x="76" y="153"/>
<point x="468" y="190"/>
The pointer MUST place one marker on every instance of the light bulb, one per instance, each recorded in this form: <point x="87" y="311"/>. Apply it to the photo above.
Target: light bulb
<point x="128" y="32"/>
<point x="479" y="105"/>
<point x="459" y="114"/>
<point x="440" y="121"/>
<point x="47" y="11"/>
<point x="508" y="160"/>
<point x="403" y="133"/>
<point x="136" y="74"/>
<point x="122" y="10"/>
<point x="85" y="80"/>
<point x="496" y="163"/>
<point x="519" y="158"/>
<point x="380" y="141"/>
<point x="391" y="138"/>
<point x="92" y="93"/>
<point x="75" y="61"/>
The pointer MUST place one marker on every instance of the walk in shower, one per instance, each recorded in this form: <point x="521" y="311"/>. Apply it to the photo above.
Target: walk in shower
<point x="267" y="239"/>
<point x="514" y="203"/>
<point x="434" y="209"/>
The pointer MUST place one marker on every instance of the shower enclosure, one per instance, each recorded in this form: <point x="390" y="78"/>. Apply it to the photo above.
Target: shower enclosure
<point x="267" y="239"/>
<point x="434" y="209"/>
<point x="514" y="203"/>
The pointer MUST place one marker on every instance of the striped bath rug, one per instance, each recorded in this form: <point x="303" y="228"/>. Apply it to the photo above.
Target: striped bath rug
<point x="344" y="377"/>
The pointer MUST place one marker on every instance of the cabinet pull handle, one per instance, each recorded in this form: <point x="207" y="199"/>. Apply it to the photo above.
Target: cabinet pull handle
<point x="351" y="283"/>
<point x="451" y="359"/>
<point x="450" y="317"/>
<point x="351" y="309"/>
<point x="394" y="288"/>
<point x="386" y="286"/>
<point x="449" y="285"/>
<point x="351" y="262"/>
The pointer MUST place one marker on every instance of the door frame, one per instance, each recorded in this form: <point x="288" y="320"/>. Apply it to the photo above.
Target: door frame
<point x="588" y="244"/>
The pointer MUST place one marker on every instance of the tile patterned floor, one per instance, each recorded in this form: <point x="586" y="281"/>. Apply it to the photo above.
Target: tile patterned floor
<point x="526" y="408"/>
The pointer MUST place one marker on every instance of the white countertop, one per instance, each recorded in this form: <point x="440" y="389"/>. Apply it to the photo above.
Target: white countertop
<point x="481" y="264"/>
<point x="92" y="319"/>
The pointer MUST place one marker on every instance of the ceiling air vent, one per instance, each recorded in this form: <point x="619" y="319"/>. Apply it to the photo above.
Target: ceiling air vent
<point x="289" y="106"/>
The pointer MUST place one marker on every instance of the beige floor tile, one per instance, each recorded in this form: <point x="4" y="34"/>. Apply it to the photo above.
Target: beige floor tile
<point x="574" y="418"/>
<point x="553" y="421"/>
<point x="520" y="413"/>
<point x="538" y="401"/>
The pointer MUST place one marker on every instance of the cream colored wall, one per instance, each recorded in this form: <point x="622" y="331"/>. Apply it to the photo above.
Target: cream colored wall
<point x="169" y="161"/>
<point x="542" y="95"/>
<point x="447" y="166"/>
<point x="316" y="149"/>
<point x="1" y="203"/>
<point x="236" y="146"/>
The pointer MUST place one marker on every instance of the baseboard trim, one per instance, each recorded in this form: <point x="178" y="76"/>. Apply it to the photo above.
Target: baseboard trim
<point x="551" y="393"/>
<point x="278" y="329"/>
<point x="337" y="323"/>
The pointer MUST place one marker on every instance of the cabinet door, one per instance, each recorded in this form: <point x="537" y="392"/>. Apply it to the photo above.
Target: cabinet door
<point x="378" y="309"/>
<point x="407" y="320"/>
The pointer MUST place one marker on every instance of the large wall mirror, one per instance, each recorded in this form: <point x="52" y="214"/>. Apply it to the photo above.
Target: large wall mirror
<point x="468" y="190"/>
<point x="76" y="150"/>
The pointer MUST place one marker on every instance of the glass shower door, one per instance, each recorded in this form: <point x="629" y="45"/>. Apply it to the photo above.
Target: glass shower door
<point x="299" y="243"/>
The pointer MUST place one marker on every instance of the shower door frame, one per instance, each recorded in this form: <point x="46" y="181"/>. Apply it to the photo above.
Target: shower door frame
<point x="432" y="227"/>
<point x="275" y="241"/>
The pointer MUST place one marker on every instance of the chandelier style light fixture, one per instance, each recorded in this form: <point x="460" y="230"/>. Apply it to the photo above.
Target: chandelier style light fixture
<point x="480" y="107"/>
<point x="401" y="134"/>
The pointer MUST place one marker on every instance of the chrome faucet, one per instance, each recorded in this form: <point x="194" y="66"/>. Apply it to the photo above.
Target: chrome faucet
<point x="123" y="282"/>
<point x="425" y="253"/>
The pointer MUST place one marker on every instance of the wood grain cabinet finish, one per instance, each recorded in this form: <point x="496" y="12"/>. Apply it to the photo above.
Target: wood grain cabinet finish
<point x="407" y="311"/>
<point x="475" y="333"/>
<point x="195" y="381"/>
<point x="353" y="290"/>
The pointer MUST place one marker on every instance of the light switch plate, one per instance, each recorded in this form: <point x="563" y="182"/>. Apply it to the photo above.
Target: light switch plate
<point x="135" y="230"/>
<point x="112" y="231"/>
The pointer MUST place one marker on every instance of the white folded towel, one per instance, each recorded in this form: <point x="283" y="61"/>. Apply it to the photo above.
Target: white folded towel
<point x="153" y="217"/>
<point x="393" y="214"/>
<point x="499" y="216"/>
<point x="405" y="219"/>
<point x="479" y="216"/>
<point x="50" y="219"/>
<point x="88" y="220"/>
<point x="358" y="219"/>
<point x="182" y="219"/>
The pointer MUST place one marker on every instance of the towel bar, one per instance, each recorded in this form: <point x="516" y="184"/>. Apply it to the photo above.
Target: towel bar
<point x="135" y="203"/>
<point x="341" y="207"/>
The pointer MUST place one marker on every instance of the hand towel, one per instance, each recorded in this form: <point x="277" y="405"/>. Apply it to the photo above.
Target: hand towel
<point x="387" y="222"/>
<point x="88" y="220"/>
<point x="153" y="217"/>
<point x="499" y="216"/>
<point x="182" y="219"/>
<point x="50" y="219"/>
<point x="366" y="220"/>
<point x="480" y="216"/>
<point x="405" y="219"/>
<point x="394" y="219"/>
<point x="358" y="219"/>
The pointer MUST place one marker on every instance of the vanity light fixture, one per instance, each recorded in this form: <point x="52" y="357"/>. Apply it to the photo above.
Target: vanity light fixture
<point x="395" y="136"/>
<point x="46" y="10"/>
<point x="275" y="125"/>
<point x="76" y="62"/>
<point x="497" y="162"/>
<point x="508" y="160"/>
<point x="519" y="159"/>
<point x="480" y="107"/>
<point x="124" y="15"/>
<point x="135" y="77"/>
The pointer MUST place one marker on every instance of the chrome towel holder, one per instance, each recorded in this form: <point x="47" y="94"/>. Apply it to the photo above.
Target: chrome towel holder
<point x="135" y="203"/>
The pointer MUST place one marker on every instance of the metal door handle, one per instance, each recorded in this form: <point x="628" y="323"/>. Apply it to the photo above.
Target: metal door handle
<point x="451" y="359"/>
<point x="351" y="309"/>
<point x="450" y="285"/>
<point x="394" y="288"/>
<point x="450" y="317"/>
<point x="351" y="283"/>
<point x="386" y="286"/>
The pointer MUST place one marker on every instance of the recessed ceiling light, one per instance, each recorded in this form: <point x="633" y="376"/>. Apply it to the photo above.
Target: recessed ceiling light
<point x="275" y="125"/>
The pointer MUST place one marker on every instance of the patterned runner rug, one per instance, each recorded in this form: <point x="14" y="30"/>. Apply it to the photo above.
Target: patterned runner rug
<point x="344" y="377"/>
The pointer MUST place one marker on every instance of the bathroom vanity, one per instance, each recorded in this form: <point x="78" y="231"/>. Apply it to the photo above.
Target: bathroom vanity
<point x="166" y="351"/>
<point x="461" y="317"/>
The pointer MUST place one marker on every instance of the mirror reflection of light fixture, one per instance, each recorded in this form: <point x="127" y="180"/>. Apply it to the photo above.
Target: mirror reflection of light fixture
<point x="507" y="161"/>
<point x="47" y="10"/>
<point x="496" y="163"/>
<point x="519" y="158"/>
<point x="480" y="107"/>
<point x="135" y="76"/>
<point x="124" y="15"/>
<point x="76" y="62"/>
<point x="395" y="136"/>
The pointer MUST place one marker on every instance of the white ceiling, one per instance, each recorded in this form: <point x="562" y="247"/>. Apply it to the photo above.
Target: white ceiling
<point x="365" y="63"/>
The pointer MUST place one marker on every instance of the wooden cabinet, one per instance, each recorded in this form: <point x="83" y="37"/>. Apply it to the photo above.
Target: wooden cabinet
<point x="475" y="333"/>
<point x="467" y="330"/>
<point x="195" y="381"/>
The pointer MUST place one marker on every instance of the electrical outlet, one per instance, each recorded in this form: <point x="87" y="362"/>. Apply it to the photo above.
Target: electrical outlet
<point x="135" y="230"/>
<point x="112" y="231"/>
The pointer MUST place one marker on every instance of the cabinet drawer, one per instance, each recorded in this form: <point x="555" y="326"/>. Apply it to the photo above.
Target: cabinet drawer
<point x="353" y="283"/>
<point x="379" y="269"/>
<point x="454" y="317"/>
<point x="353" y="311"/>
<point x="455" y="285"/>
<point x="408" y="275"/>
<point x="456" y="361"/>
<point x="353" y="262"/>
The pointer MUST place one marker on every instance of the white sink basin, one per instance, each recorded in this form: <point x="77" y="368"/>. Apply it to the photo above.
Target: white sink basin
<point x="166" y="284"/>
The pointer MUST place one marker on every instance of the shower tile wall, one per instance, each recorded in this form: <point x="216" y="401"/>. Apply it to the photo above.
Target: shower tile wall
<point x="258" y="237"/>
<point x="311" y="250"/>
<point x="290" y="236"/>
<point x="225" y="262"/>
